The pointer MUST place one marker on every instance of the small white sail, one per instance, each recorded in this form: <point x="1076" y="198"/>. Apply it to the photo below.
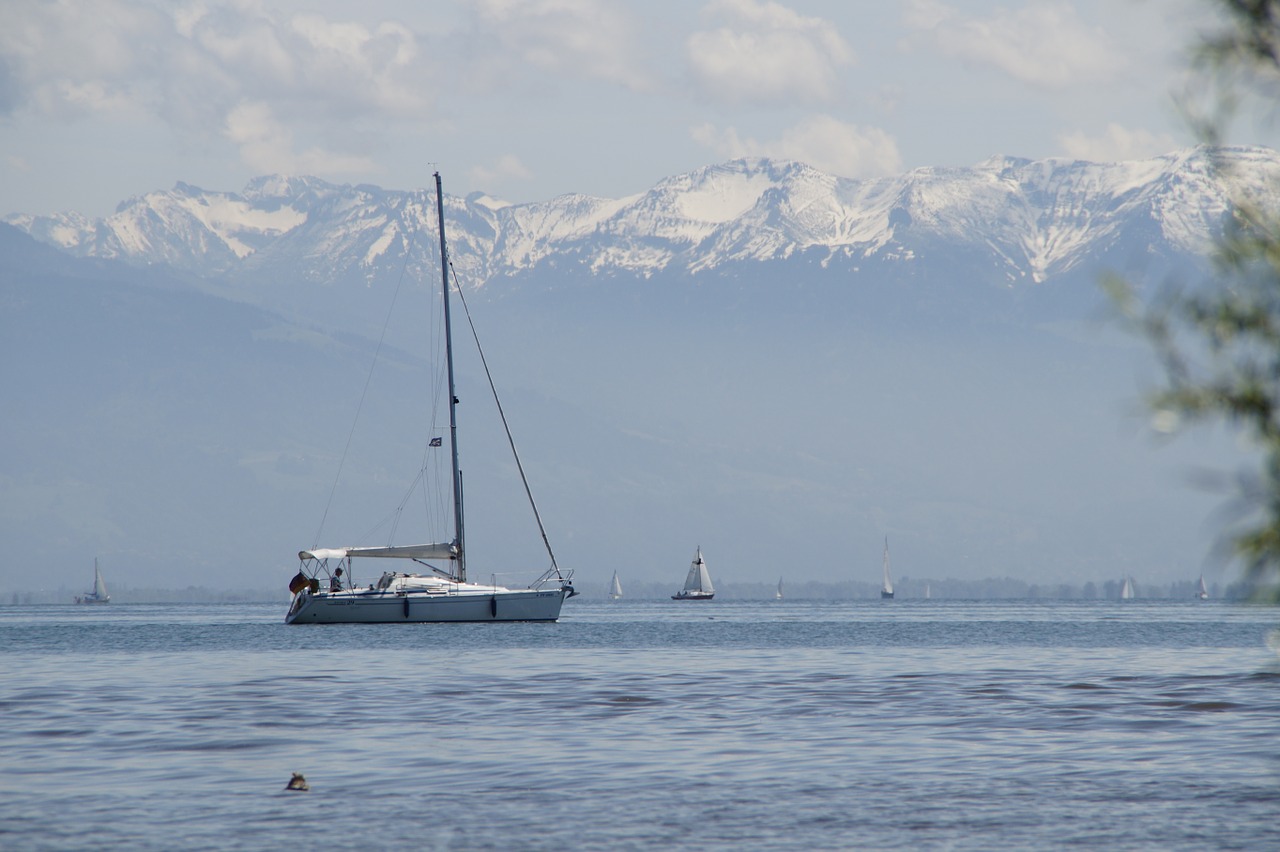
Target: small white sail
<point x="697" y="585"/>
<point x="615" y="588"/>
<point x="1201" y="592"/>
<point x="778" y="594"/>
<point x="886" y="590"/>
<point x="1126" y="589"/>
<point x="699" y="579"/>
<point x="99" y="594"/>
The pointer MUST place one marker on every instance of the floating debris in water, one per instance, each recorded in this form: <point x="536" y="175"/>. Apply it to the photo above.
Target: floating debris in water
<point x="297" y="782"/>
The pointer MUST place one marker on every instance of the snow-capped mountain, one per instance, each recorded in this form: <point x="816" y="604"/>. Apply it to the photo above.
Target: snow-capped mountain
<point x="1009" y="221"/>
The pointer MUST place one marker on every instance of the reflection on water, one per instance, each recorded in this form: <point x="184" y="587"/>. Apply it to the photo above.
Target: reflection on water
<point x="782" y="725"/>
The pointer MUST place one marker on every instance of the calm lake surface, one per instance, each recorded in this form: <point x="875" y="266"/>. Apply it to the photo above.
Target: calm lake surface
<point x="645" y="724"/>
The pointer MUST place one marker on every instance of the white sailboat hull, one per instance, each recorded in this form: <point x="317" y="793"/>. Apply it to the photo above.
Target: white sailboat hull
<point x="361" y="606"/>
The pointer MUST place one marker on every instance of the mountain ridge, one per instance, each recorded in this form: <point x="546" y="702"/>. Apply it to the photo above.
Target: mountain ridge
<point x="1021" y="221"/>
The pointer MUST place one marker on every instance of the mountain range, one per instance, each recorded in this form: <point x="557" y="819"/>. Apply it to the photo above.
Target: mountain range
<point x="1020" y="222"/>
<point x="779" y="364"/>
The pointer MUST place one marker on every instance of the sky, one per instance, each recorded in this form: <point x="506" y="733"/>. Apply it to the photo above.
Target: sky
<point x="101" y="100"/>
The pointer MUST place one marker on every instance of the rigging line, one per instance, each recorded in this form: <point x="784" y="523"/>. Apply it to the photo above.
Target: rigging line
<point x="392" y="517"/>
<point x="510" y="440"/>
<point x="408" y="495"/>
<point x="408" y="234"/>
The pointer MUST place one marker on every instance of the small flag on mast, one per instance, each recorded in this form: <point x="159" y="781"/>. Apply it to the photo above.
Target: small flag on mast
<point x="437" y="442"/>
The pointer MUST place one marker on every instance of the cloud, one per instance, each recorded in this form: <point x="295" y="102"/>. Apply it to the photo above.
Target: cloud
<point x="588" y="39"/>
<point x="765" y="53"/>
<point x="508" y="167"/>
<point x="1044" y="44"/>
<point x="1117" y="143"/>
<point x="267" y="146"/>
<point x="307" y="63"/>
<point x="205" y="67"/>
<point x="63" y="62"/>
<point x="821" y="141"/>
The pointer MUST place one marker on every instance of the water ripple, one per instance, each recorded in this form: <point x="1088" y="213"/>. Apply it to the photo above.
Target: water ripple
<point x="826" y="728"/>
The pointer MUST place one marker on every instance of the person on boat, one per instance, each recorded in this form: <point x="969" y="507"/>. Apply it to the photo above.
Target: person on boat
<point x="335" y="584"/>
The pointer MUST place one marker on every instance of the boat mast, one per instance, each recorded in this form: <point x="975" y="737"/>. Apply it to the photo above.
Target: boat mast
<point x="453" y="398"/>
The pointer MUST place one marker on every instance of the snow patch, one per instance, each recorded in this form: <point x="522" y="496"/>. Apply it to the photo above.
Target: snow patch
<point x="380" y="245"/>
<point x="722" y="200"/>
<point x="232" y="218"/>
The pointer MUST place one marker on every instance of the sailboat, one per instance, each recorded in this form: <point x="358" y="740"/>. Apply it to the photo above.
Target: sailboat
<point x="1126" y="589"/>
<point x="99" y="594"/>
<point x="886" y="589"/>
<point x="615" y="588"/>
<point x="697" y="585"/>
<point x="1201" y="592"/>
<point x="778" y="594"/>
<point x="444" y="593"/>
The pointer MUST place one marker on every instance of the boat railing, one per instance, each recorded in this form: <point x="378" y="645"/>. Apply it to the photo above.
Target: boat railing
<point x="554" y="576"/>
<point x="320" y="574"/>
<point x="320" y="570"/>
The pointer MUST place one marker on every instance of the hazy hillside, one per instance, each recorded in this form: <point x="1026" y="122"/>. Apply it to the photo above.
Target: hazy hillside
<point x="780" y="400"/>
<point x="173" y="433"/>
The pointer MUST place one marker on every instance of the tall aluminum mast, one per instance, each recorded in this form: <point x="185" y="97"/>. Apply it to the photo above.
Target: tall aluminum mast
<point x="453" y="399"/>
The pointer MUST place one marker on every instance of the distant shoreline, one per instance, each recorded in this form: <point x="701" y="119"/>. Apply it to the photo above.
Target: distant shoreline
<point x="906" y="589"/>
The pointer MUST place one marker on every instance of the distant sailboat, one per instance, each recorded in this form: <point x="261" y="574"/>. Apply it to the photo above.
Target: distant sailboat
<point x="1201" y="592"/>
<point x="1126" y="590"/>
<point x="99" y="594"/>
<point x="778" y="594"/>
<point x="697" y="585"/>
<point x="886" y="590"/>
<point x="927" y="592"/>
<point x="615" y="588"/>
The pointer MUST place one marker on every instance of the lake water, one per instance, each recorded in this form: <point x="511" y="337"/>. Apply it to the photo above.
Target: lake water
<point x="647" y="724"/>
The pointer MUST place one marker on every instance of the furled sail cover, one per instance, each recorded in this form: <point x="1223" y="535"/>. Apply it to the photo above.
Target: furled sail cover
<point x="444" y="550"/>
